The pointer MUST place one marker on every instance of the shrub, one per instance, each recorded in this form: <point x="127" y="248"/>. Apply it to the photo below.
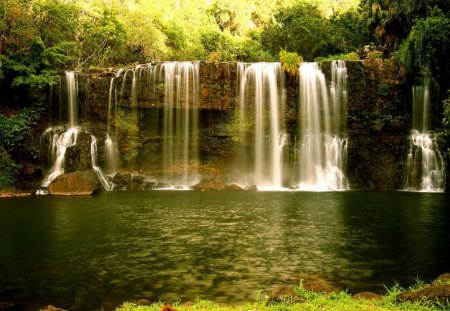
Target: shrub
<point x="290" y="62"/>
<point x="8" y="169"/>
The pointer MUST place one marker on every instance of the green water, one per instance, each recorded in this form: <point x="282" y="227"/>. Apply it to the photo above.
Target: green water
<point x="88" y="252"/>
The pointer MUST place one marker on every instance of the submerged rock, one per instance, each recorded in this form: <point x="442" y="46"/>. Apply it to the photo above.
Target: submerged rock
<point x="283" y="293"/>
<point x="75" y="183"/>
<point x="13" y="192"/>
<point x="437" y="293"/>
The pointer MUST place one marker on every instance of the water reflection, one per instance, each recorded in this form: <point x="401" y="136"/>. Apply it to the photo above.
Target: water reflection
<point x="99" y="251"/>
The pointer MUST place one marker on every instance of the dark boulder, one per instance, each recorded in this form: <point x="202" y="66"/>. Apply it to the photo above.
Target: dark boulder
<point x="215" y="184"/>
<point x="121" y="181"/>
<point x="137" y="182"/>
<point x="75" y="183"/>
<point x="78" y="157"/>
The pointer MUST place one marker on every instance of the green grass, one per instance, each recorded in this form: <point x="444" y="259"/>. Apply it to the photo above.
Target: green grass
<point x="309" y="301"/>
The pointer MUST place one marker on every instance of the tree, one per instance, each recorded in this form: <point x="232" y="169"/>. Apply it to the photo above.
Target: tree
<point x="391" y="21"/>
<point x="304" y="30"/>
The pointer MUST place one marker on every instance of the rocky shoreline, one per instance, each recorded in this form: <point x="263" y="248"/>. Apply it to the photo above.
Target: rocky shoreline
<point x="436" y="293"/>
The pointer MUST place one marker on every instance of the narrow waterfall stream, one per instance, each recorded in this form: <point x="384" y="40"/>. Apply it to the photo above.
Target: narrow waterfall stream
<point x="56" y="138"/>
<point x="425" y="166"/>
<point x="322" y="152"/>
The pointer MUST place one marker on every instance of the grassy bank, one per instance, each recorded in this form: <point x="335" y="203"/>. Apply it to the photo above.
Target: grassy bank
<point x="305" y="300"/>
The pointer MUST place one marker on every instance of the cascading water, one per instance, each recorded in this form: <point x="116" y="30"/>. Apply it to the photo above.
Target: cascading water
<point x="101" y="176"/>
<point x="111" y="153"/>
<point x="262" y="100"/>
<point x="425" y="165"/>
<point x="322" y="152"/>
<point x="58" y="141"/>
<point x="180" y="122"/>
<point x="72" y="98"/>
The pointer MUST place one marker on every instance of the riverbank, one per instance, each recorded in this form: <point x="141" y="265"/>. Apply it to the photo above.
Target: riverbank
<point x="423" y="297"/>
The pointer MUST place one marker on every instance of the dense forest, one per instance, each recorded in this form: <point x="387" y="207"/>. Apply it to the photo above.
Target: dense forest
<point x="38" y="38"/>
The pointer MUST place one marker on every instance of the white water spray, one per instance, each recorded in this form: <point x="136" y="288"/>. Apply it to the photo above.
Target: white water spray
<point x="425" y="165"/>
<point x="322" y="152"/>
<point x="180" y="121"/>
<point x="107" y="185"/>
<point x="262" y="99"/>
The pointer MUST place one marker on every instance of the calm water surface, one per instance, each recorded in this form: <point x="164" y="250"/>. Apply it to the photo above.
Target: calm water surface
<point x="90" y="252"/>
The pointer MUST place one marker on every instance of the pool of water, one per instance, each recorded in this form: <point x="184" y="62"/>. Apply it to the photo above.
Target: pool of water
<point x="85" y="253"/>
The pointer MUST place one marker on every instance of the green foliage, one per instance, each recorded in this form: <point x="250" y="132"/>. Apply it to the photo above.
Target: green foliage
<point x="405" y="53"/>
<point x="432" y="45"/>
<point x="309" y="301"/>
<point x="352" y="56"/>
<point x="383" y="90"/>
<point x="8" y="169"/>
<point x="446" y="119"/>
<point x="303" y="29"/>
<point x="15" y="128"/>
<point x="391" y="21"/>
<point x="290" y="62"/>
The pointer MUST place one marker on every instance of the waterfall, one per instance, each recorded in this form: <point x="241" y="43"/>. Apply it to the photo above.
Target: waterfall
<point x="107" y="185"/>
<point x="322" y="152"/>
<point x="57" y="139"/>
<point x="111" y="152"/>
<point x="58" y="144"/>
<point x="425" y="167"/>
<point x="262" y="100"/>
<point x="72" y="98"/>
<point x="180" y="122"/>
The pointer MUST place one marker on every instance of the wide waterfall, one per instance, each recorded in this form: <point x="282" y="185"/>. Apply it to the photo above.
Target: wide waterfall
<point x="425" y="165"/>
<point x="262" y="103"/>
<point x="322" y="151"/>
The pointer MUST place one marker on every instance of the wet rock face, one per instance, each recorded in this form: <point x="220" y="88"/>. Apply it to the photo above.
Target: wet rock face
<point x="379" y="122"/>
<point x="75" y="183"/>
<point x="78" y="157"/>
